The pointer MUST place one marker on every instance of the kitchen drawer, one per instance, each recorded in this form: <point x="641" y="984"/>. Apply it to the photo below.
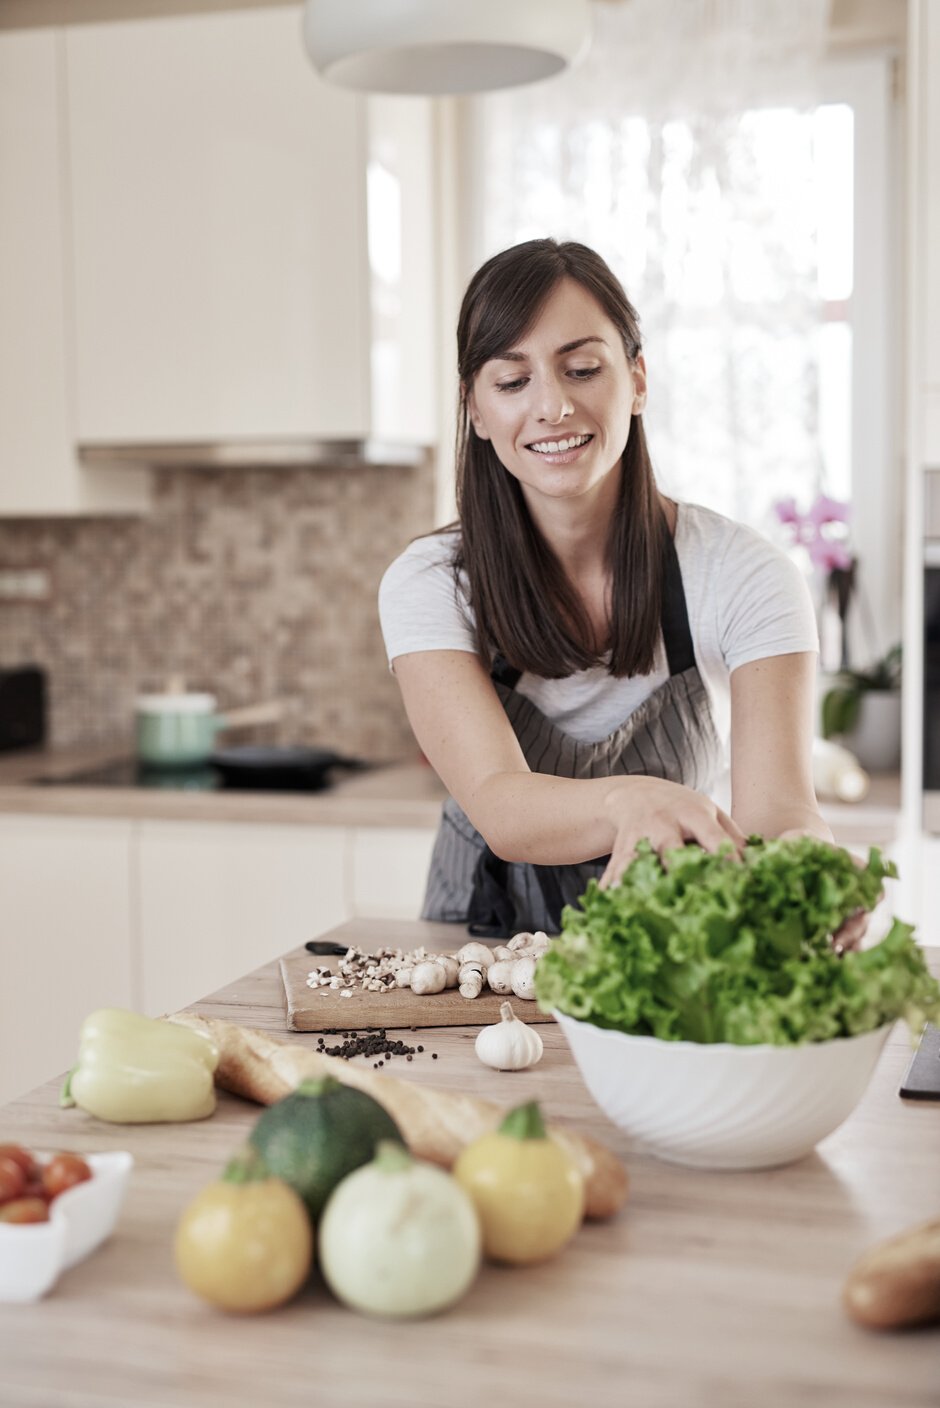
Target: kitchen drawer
<point x="68" y="938"/>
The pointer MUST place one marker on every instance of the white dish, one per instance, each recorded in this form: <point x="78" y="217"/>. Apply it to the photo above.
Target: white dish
<point x="722" y="1106"/>
<point x="33" y="1255"/>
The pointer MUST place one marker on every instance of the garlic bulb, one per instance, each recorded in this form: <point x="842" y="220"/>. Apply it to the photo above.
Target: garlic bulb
<point x="509" y="1045"/>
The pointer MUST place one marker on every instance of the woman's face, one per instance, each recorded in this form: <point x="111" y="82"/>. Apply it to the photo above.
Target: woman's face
<point x="557" y="407"/>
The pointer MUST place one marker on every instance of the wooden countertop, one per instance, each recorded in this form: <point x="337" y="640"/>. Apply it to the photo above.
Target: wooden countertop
<point x="397" y="794"/>
<point x="710" y="1290"/>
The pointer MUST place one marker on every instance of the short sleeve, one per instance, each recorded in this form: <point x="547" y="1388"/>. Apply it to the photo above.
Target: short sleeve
<point x="764" y="605"/>
<point x="420" y="605"/>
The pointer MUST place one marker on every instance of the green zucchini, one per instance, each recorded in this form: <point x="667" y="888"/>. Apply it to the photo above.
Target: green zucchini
<point x="318" y="1134"/>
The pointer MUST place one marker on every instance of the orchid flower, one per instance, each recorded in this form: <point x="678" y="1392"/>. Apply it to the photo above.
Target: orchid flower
<point x="826" y="553"/>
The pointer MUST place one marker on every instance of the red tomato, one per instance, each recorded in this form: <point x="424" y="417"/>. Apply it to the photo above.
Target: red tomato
<point x="35" y="1188"/>
<point x="25" y="1210"/>
<point x="12" y="1180"/>
<point x="64" y="1171"/>
<point x="20" y="1156"/>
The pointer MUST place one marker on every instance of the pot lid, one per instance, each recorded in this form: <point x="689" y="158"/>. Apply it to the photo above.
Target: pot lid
<point x="176" y="704"/>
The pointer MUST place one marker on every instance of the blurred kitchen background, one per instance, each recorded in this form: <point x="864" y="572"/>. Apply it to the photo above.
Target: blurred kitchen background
<point x="228" y="293"/>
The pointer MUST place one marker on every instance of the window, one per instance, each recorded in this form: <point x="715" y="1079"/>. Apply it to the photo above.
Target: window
<point x="756" y="250"/>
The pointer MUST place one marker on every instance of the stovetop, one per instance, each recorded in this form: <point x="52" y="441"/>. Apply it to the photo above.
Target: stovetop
<point x="128" y="772"/>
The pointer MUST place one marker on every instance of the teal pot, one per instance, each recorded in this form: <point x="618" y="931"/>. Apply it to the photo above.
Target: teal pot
<point x="179" y="730"/>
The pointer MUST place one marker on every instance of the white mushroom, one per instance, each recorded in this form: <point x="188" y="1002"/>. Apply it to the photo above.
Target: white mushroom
<point x="534" y="944"/>
<point x="471" y="978"/>
<point x="427" y="978"/>
<point x="523" y="978"/>
<point x="475" y="953"/>
<point x="403" y="977"/>
<point x="451" y="969"/>
<point x="502" y="954"/>
<point x="499" y="976"/>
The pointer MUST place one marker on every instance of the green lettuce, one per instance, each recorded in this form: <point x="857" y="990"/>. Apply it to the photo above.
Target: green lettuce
<point x="702" y="947"/>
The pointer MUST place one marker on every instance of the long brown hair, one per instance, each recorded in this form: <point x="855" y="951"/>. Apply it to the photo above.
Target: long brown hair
<point x="525" y="607"/>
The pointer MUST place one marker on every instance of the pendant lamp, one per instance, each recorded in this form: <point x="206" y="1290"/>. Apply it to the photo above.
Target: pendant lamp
<point x="444" y="46"/>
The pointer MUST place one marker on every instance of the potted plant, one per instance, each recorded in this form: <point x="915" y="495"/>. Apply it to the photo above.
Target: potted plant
<point x="863" y="710"/>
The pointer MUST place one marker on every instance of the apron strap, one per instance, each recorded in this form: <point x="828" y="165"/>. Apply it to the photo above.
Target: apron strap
<point x="674" y="617"/>
<point x="504" y="673"/>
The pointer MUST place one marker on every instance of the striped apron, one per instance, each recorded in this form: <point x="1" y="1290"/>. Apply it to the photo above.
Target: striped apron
<point x="670" y="735"/>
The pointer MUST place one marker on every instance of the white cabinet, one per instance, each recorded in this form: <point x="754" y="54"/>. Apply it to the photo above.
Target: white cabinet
<point x="154" y="915"/>
<point x="67" y="938"/>
<point x="217" y="900"/>
<point x="223" y="283"/>
<point x="389" y="869"/>
<point x="39" y="471"/>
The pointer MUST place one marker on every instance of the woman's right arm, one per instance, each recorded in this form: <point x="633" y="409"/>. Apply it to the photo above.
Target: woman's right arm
<point x="463" y="731"/>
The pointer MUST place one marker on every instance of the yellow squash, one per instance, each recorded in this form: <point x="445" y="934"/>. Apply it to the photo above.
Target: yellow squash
<point x="528" y="1192"/>
<point x="245" y="1242"/>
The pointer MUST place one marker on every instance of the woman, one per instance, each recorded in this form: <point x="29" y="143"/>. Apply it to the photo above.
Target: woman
<point x="575" y="653"/>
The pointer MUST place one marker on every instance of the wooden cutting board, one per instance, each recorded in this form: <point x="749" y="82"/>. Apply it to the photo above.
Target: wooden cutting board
<point x="323" y="1009"/>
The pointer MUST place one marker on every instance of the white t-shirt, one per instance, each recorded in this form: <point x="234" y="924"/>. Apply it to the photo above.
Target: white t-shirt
<point x="746" y="600"/>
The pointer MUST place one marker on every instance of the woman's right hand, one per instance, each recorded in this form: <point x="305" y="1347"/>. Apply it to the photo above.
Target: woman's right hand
<point x="665" y="813"/>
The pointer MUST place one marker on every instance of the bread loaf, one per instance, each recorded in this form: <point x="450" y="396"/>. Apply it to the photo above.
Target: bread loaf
<point x="436" y="1124"/>
<point x="897" y="1283"/>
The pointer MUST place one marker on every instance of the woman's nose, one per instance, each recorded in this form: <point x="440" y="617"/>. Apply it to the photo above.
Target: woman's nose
<point x="553" y="402"/>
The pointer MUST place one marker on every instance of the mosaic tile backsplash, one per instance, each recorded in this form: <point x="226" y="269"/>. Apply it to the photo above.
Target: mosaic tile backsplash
<point x="251" y="584"/>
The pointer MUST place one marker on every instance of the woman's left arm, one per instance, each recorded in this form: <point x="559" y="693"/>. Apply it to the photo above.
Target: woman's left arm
<point x="772" y="705"/>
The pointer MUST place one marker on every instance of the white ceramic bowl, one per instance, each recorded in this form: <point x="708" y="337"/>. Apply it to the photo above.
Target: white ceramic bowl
<point x="723" y="1106"/>
<point x="33" y="1255"/>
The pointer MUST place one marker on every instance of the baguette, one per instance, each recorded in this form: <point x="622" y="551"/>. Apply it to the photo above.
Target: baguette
<point x="436" y="1124"/>
<point x="897" y="1283"/>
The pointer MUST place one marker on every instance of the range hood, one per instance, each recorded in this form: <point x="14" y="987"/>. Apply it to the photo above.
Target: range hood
<point x="258" y="454"/>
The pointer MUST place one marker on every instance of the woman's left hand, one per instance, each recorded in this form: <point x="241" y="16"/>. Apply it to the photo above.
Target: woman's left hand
<point x="851" y="931"/>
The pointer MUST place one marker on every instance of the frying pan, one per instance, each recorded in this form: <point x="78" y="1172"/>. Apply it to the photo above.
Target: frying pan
<point x="281" y="769"/>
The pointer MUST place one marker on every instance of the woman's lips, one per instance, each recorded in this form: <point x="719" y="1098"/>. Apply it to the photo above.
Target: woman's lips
<point x="561" y="456"/>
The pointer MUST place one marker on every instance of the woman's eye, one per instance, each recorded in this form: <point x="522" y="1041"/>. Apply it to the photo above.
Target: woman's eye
<point x="512" y="385"/>
<point x="584" y="373"/>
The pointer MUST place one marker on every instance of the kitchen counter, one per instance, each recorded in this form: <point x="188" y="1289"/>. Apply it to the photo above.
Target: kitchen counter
<point x="392" y="794"/>
<point x="407" y="794"/>
<point x="710" y="1290"/>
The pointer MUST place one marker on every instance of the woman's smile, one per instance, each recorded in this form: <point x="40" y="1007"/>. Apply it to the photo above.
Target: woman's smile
<point x="561" y="450"/>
